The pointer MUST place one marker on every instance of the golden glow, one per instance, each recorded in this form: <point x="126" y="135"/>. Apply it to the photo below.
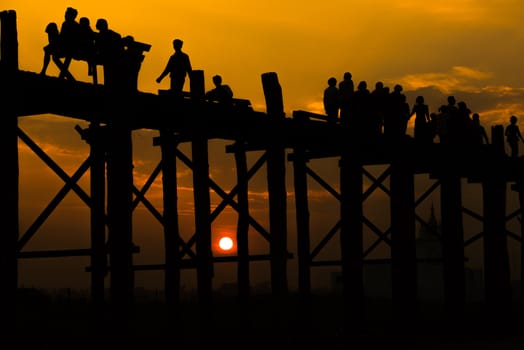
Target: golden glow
<point x="469" y="48"/>
<point x="392" y="41"/>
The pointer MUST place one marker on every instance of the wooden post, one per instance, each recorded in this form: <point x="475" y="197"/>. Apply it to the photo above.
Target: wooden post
<point x="168" y="145"/>
<point x="403" y="241"/>
<point x="9" y="215"/>
<point x="351" y="236"/>
<point x="496" y="257"/>
<point x="452" y="246"/>
<point x="302" y="219"/>
<point x="243" y="223"/>
<point x="276" y="179"/>
<point x="98" y="224"/>
<point x="520" y="189"/>
<point x="119" y="211"/>
<point x="304" y="316"/>
<point x="199" y="149"/>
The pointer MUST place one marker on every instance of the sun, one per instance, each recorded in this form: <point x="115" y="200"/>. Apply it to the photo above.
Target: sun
<point x="225" y="243"/>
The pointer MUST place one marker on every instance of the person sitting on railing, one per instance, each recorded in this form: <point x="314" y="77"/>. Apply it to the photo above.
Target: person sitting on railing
<point x="221" y="92"/>
<point x="68" y="39"/>
<point x="51" y="50"/>
<point x="109" y="49"/>
<point x="86" y="44"/>
<point x="74" y="40"/>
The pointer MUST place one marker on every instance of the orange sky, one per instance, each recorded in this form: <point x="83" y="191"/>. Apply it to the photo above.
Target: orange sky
<point x="469" y="48"/>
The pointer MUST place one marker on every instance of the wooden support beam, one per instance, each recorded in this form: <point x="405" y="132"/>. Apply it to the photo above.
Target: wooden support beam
<point x="497" y="277"/>
<point x="276" y="181"/>
<point x="119" y="211"/>
<point x="201" y="186"/>
<point x="403" y="240"/>
<point x="168" y="145"/>
<point x="302" y="221"/>
<point x="97" y="155"/>
<point x="351" y="237"/>
<point x="242" y="223"/>
<point x="452" y="246"/>
<point x="9" y="215"/>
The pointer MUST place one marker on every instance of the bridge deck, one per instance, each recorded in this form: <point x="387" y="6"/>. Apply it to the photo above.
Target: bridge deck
<point x="239" y="122"/>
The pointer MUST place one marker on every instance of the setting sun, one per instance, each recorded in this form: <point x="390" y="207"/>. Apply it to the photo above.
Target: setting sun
<point x="225" y="244"/>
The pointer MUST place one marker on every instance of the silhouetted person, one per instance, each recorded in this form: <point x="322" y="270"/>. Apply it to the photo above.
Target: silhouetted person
<point x="359" y="113"/>
<point x="346" y="88"/>
<point x="445" y="120"/>
<point x="52" y="49"/>
<point x="178" y="67"/>
<point x="109" y="50"/>
<point x="513" y="136"/>
<point x="221" y="92"/>
<point x="331" y="100"/>
<point x="421" y="130"/>
<point x="379" y="100"/>
<point x="433" y="125"/>
<point x="396" y="121"/>
<point x="459" y="124"/>
<point x="86" y="44"/>
<point x="480" y="136"/>
<point x="69" y="32"/>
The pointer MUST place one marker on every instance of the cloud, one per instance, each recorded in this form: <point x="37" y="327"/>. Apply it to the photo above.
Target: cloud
<point x="495" y="103"/>
<point x="458" y="78"/>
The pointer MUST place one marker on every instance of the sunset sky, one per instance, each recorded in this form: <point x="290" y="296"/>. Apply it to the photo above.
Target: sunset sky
<point x="471" y="49"/>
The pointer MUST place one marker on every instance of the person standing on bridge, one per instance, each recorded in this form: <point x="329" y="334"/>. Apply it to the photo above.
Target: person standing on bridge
<point x="331" y="100"/>
<point x="513" y="136"/>
<point x="480" y="135"/>
<point x="178" y="67"/>
<point x="346" y="88"/>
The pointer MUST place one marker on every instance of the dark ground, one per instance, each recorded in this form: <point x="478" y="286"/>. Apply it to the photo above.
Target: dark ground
<point x="45" y="322"/>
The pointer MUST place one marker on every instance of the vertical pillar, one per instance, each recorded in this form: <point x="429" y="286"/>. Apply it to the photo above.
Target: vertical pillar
<point x="302" y="219"/>
<point x="243" y="222"/>
<point x="199" y="149"/>
<point x="496" y="257"/>
<point x="519" y="187"/>
<point x="168" y="146"/>
<point x="403" y="244"/>
<point x="98" y="224"/>
<point x="452" y="246"/>
<point x="276" y="179"/>
<point x="9" y="215"/>
<point x="351" y="237"/>
<point x="119" y="211"/>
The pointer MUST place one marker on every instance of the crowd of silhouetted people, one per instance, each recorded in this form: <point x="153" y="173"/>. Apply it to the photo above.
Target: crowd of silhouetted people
<point x="120" y="56"/>
<point x="382" y="113"/>
<point x="370" y="115"/>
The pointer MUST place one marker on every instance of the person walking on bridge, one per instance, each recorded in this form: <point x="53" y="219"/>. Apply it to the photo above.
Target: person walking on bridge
<point x="178" y="67"/>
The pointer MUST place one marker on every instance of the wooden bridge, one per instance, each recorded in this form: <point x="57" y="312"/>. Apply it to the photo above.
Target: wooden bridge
<point x="114" y="114"/>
